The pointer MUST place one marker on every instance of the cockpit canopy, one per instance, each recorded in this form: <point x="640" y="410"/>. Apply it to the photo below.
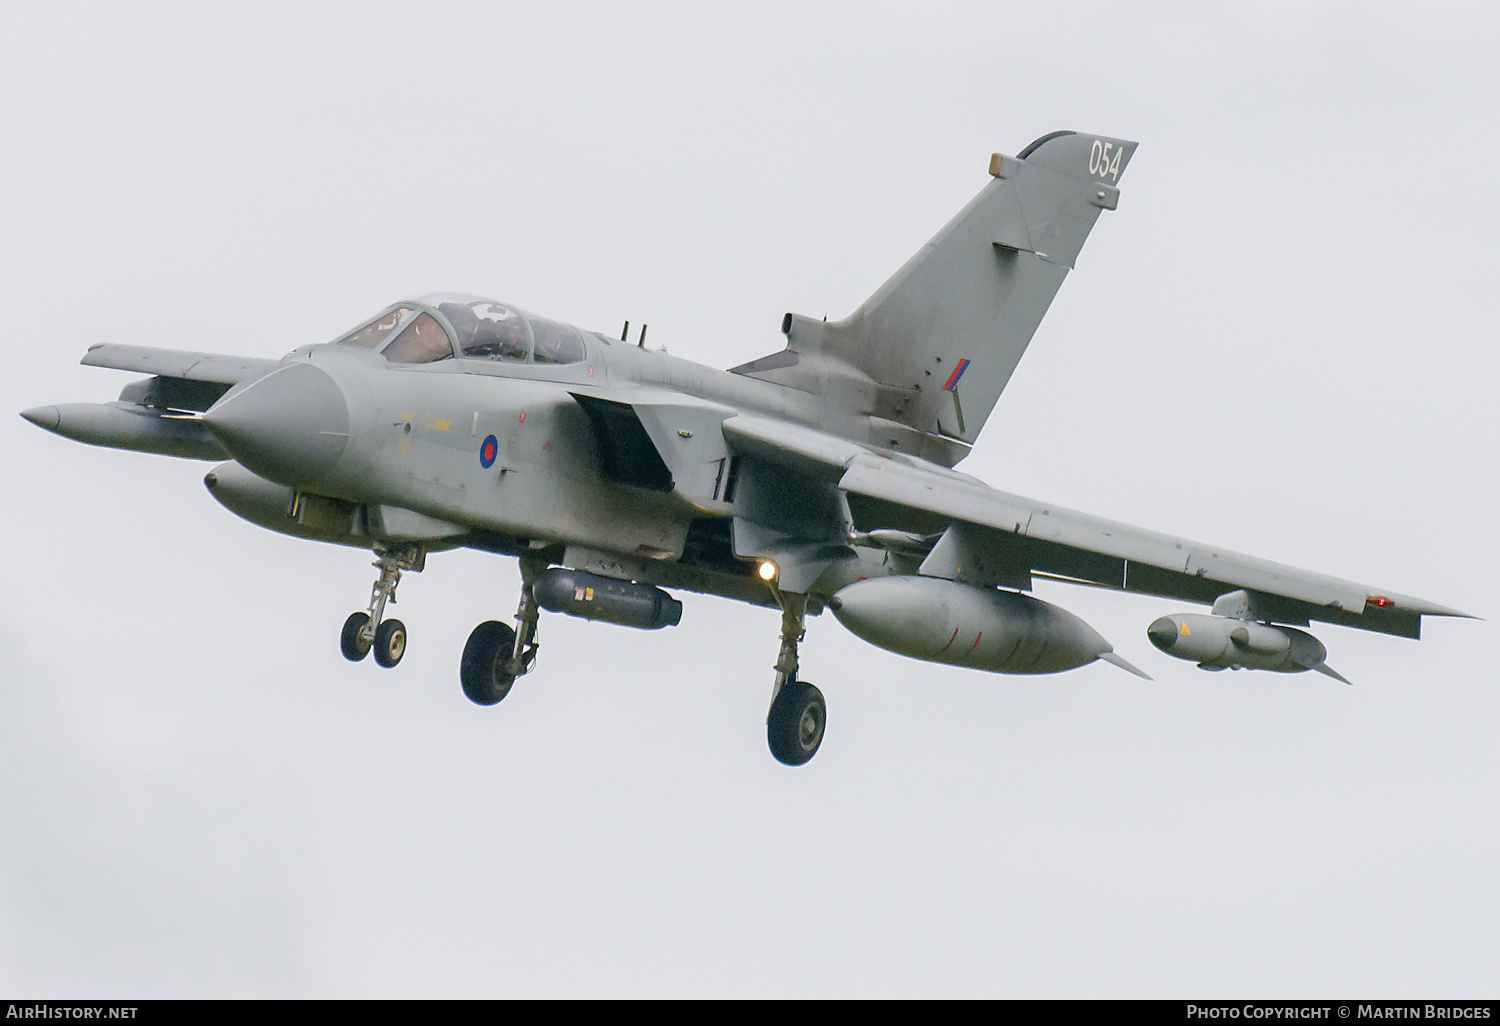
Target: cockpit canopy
<point x="441" y="327"/>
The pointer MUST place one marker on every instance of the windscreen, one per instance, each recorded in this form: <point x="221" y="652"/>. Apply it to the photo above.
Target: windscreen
<point x="370" y="334"/>
<point x="421" y="341"/>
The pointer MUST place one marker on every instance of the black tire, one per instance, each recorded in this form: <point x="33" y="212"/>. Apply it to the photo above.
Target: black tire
<point x="795" y="727"/>
<point x="482" y="671"/>
<point x="351" y="644"/>
<point x="390" y="642"/>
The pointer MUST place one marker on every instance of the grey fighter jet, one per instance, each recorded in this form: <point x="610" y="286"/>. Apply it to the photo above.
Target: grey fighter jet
<point x="820" y="476"/>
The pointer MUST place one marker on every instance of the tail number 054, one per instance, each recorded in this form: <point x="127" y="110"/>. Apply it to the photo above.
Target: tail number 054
<point x="1100" y="161"/>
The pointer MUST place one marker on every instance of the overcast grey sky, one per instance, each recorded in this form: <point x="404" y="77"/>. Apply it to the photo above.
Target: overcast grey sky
<point x="1283" y="342"/>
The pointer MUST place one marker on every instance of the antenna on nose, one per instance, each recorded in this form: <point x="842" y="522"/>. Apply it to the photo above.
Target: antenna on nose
<point x="625" y="332"/>
<point x="642" y="342"/>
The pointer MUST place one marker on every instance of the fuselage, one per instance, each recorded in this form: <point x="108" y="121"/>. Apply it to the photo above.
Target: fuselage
<point x="502" y="454"/>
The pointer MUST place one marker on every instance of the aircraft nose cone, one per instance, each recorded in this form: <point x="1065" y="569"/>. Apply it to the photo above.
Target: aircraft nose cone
<point x="1163" y="633"/>
<point x="290" y="427"/>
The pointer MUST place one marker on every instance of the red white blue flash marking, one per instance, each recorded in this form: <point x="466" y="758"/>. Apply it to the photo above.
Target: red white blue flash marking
<point x="958" y="372"/>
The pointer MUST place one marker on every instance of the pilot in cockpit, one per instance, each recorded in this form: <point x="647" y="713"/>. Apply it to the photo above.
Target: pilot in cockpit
<point x="488" y="330"/>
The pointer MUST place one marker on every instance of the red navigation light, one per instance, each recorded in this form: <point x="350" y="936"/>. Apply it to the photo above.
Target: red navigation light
<point x="1380" y="601"/>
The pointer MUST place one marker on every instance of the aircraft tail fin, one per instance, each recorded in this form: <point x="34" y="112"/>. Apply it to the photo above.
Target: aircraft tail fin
<point x="936" y="344"/>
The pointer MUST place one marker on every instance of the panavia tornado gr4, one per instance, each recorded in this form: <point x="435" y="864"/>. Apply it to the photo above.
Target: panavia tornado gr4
<point x="817" y="477"/>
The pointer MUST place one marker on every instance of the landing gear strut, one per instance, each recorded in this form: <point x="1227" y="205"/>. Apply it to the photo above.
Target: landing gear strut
<point x="368" y="630"/>
<point x="495" y="654"/>
<point x="798" y="714"/>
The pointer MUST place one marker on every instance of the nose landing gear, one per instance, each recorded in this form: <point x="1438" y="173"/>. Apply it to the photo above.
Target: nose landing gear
<point x="355" y="642"/>
<point x="367" y="631"/>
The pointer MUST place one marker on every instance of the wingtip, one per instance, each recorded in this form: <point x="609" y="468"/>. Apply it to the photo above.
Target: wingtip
<point x="1457" y="614"/>
<point x="1411" y="604"/>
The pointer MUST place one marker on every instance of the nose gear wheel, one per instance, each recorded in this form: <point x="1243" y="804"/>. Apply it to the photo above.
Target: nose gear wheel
<point x="366" y="631"/>
<point x="390" y="642"/>
<point x="353" y="642"/>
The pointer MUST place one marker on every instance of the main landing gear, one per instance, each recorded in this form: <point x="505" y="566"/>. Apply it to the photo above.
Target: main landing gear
<point x="798" y="714"/>
<point x="366" y="631"/>
<point x="496" y="654"/>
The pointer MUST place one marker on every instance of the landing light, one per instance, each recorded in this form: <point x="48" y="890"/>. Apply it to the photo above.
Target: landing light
<point x="767" y="570"/>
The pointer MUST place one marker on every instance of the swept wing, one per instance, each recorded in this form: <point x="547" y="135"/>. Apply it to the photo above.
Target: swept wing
<point x="1019" y="538"/>
<point x="172" y="363"/>
<point x="1061" y="543"/>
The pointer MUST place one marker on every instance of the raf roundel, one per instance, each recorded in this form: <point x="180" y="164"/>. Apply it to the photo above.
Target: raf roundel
<point x="488" y="451"/>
